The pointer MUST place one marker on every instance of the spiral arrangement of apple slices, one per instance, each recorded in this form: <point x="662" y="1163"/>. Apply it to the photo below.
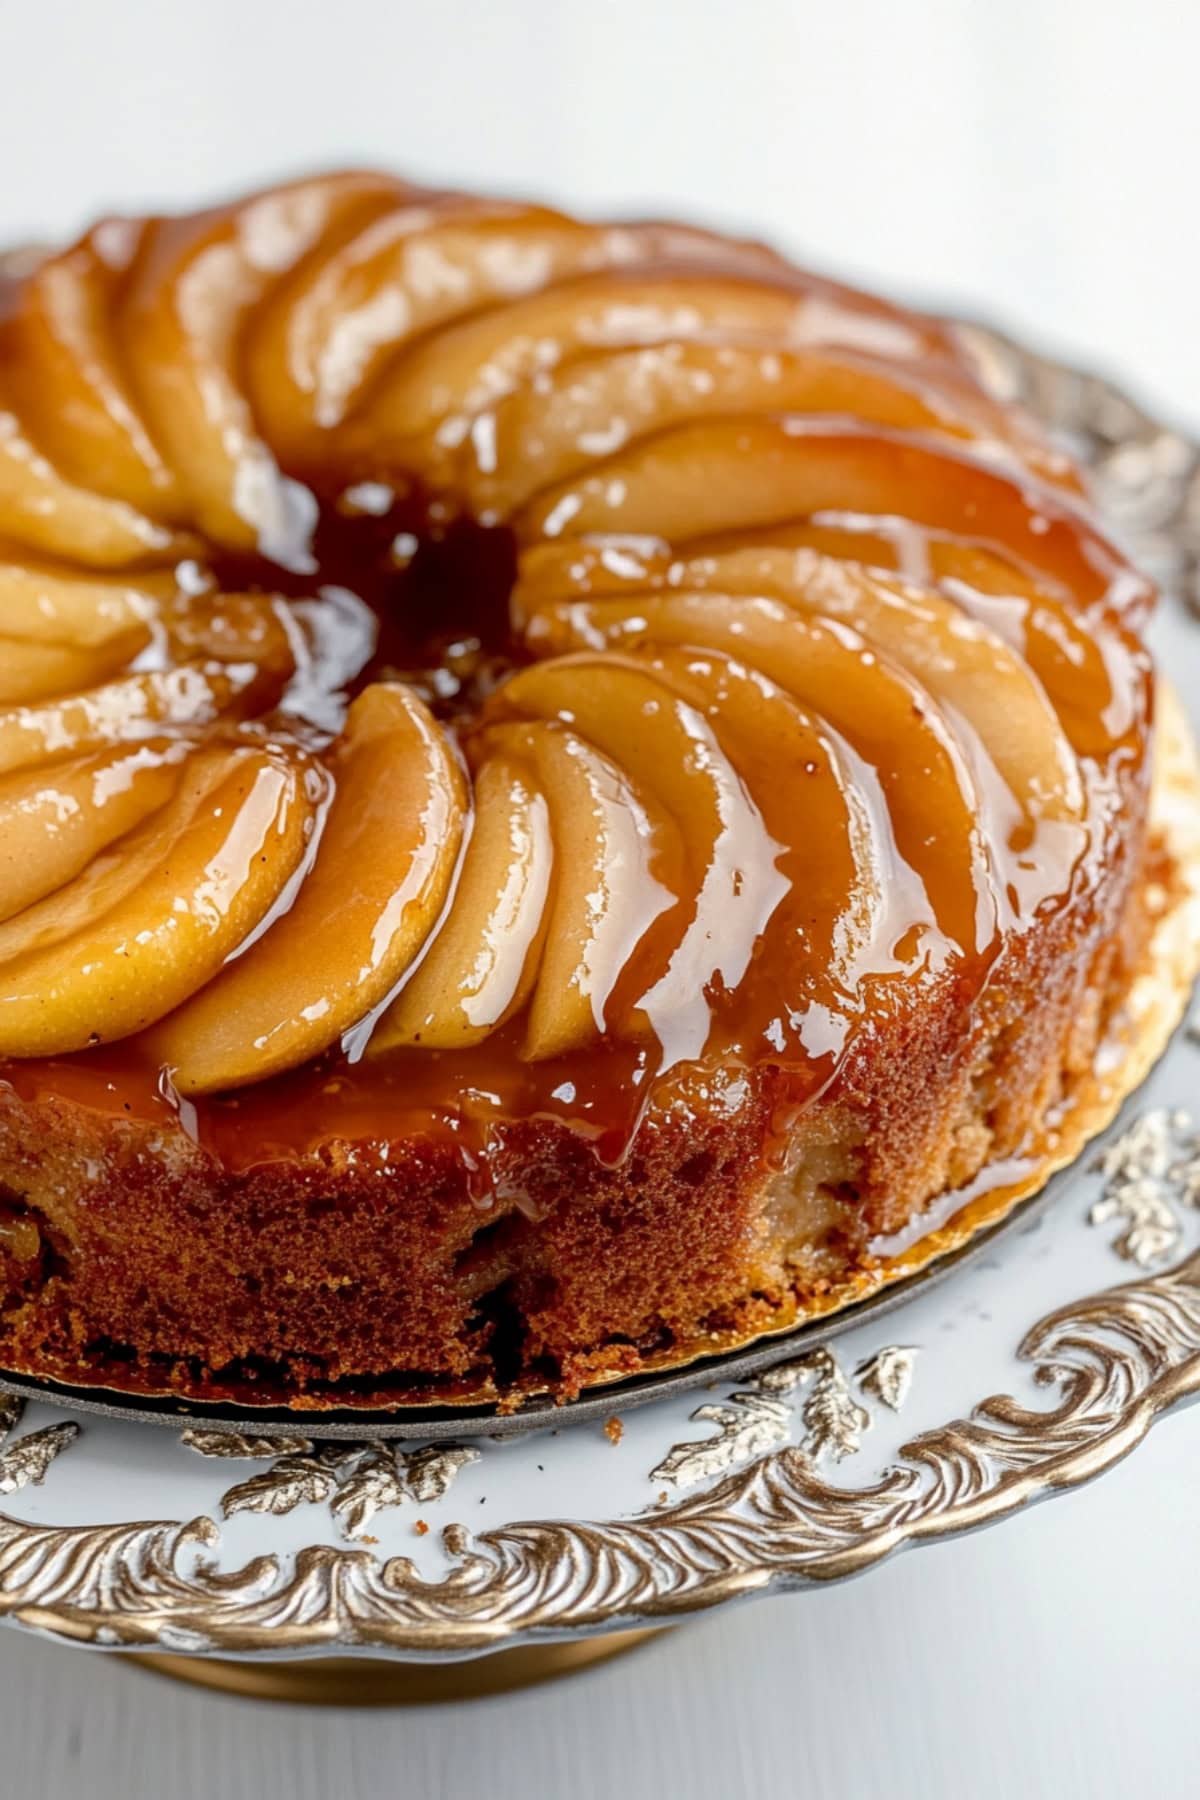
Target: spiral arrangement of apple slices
<point x="821" y="670"/>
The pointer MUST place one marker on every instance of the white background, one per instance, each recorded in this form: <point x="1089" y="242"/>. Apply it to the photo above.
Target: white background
<point x="1035" y="161"/>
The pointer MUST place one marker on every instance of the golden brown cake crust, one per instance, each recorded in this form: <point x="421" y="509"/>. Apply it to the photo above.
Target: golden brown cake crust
<point x="558" y="783"/>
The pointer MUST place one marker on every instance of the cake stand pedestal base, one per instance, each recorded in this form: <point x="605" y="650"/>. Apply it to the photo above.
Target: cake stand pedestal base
<point x="366" y="1681"/>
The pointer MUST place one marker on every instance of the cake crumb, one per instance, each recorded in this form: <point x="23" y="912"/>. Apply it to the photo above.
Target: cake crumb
<point x="614" y="1431"/>
<point x="421" y="1528"/>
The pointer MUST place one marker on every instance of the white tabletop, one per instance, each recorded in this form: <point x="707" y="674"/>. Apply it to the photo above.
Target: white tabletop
<point x="1033" y="161"/>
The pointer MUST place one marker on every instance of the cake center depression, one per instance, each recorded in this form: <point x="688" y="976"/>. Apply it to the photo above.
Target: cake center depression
<point x="460" y="666"/>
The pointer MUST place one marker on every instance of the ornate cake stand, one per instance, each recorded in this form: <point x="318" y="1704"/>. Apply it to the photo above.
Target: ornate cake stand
<point x="301" y="1558"/>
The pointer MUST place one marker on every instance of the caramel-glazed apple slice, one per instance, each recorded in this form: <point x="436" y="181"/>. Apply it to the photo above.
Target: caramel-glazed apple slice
<point x="319" y="345"/>
<point x="35" y="671"/>
<point x="372" y="896"/>
<point x="966" y="667"/>
<point x="425" y="261"/>
<point x="1031" y="612"/>
<point x="152" y="920"/>
<point x="669" y="750"/>
<point x="1072" y="666"/>
<point x="801" y="785"/>
<point x="738" y="474"/>
<point x="556" y="425"/>
<point x="54" y="821"/>
<point x="962" y="661"/>
<point x="184" y="699"/>
<point x="482" y="965"/>
<point x="59" y="635"/>
<point x="66" y="378"/>
<point x="65" y="633"/>
<point x="40" y="508"/>
<point x="875" y="706"/>
<point x="620" y="872"/>
<point x="44" y="606"/>
<point x="434" y="390"/>
<point x="898" y="545"/>
<point x="178" y="326"/>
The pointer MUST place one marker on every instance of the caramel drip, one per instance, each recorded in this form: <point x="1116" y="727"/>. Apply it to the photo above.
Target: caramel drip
<point x="460" y="664"/>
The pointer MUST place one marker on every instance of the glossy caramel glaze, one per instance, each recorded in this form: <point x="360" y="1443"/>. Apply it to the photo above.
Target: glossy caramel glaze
<point x="460" y="666"/>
